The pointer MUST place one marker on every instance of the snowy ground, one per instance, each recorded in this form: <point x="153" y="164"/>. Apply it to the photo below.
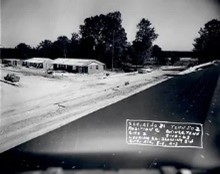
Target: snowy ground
<point x="197" y="67"/>
<point x="41" y="103"/>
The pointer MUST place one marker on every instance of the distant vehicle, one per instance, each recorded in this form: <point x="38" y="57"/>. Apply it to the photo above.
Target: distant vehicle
<point x="144" y="70"/>
<point x="49" y="71"/>
<point x="12" y="78"/>
<point x="173" y="68"/>
<point x="6" y="65"/>
<point x="128" y="67"/>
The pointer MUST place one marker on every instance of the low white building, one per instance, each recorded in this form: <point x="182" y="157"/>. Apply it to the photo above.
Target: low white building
<point x="38" y="62"/>
<point x="11" y="62"/>
<point x="89" y="66"/>
<point x="187" y="61"/>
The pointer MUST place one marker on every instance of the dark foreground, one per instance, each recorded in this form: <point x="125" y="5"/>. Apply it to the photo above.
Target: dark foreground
<point x="99" y="139"/>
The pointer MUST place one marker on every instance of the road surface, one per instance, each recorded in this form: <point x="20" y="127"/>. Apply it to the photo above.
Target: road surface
<point x="99" y="139"/>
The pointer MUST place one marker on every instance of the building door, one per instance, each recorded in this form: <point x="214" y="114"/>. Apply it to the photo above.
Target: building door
<point x="79" y="69"/>
<point x="85" y="69"/>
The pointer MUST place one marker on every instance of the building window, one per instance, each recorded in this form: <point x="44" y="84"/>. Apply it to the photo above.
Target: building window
<point x="41" y="65"/>
<point x="97" y="67"/>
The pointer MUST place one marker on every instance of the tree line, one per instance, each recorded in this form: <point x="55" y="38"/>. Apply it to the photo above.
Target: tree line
<point x="103" y="37"/>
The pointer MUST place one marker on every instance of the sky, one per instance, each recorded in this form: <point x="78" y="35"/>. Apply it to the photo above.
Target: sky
<point x="176" y="21"/>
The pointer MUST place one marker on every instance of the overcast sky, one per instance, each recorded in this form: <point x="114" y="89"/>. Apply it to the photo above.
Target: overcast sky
<point x="176" y="21"/>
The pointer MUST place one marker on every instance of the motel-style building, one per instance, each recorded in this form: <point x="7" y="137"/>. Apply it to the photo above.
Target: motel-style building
<point x="11" y="62"/>
<point x="74" y="65"/>
<point x="38" y="62"/>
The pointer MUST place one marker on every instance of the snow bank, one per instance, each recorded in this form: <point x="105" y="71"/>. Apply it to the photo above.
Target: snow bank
<point x="173" y="68"/>
<point x="197" y="67"/>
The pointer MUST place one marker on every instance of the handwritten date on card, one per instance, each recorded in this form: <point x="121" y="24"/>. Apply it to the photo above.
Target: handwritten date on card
<point x="164" y="133"/>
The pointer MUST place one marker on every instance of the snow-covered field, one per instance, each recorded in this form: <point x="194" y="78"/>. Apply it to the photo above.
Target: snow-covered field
<point x="41" y="103"/>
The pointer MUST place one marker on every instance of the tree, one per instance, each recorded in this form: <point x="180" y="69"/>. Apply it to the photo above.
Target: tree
<point x="24" y="51"/>
<point x="60" y="46"/>
<point x="105" y="38"/>
<point x="74" y="45"/>
<point x="157" y="53"/>
<point x="44" y="44"/>
<point x="44" y="49"/>
<point x="207" y="44"/>
<point x="9" y="53"/>
<point x="143" y="40"/>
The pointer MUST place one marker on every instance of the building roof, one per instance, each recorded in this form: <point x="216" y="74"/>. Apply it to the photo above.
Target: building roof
<point x="38" y="60"/>
<point x="188" y="59"/>
<point x="11" y="59"/>
<point x="76" y="62"/>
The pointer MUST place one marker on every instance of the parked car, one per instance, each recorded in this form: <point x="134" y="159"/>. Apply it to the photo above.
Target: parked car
<point x="49" y="71"/>
<point x="144" y="70"/>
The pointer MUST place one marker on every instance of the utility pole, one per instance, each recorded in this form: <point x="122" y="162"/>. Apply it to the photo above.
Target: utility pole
<point x="113" y="47"/>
